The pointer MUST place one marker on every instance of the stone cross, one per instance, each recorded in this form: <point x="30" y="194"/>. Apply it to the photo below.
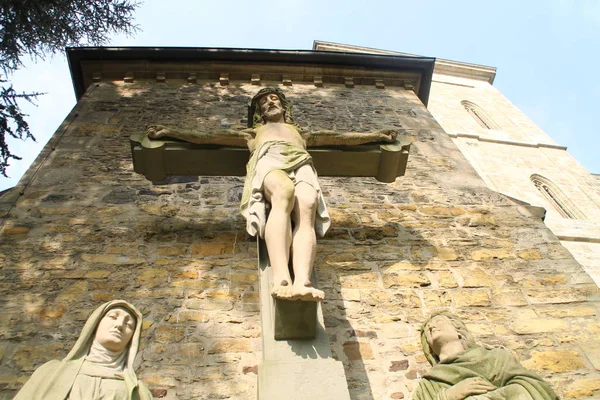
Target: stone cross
<point x="282" y="201"/>
<point x="285" y="210"/>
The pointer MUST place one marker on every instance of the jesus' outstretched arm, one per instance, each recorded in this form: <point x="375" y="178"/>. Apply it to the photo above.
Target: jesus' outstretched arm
<point x="333" y="138"/>
<point x="225" y="137"/>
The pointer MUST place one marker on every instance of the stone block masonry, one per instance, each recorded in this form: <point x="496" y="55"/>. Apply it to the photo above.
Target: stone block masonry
<point x="87" y="229"/>
<point x="510" y="154"/>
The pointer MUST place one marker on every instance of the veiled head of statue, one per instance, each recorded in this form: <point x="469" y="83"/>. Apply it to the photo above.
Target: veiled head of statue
<point x="116" y="328"/>
<point x="101" y="362"/>
<point x="441" y="328"/>
<point x="259" y="111"/>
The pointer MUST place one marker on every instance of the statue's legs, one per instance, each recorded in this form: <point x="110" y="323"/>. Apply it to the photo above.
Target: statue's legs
<point x="279" y="191"/>
<point x="304" y="242"/>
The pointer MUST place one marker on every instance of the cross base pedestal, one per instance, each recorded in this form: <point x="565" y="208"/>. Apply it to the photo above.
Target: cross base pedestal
<point x="295" y="319"/>
<point x="297" y="362"/>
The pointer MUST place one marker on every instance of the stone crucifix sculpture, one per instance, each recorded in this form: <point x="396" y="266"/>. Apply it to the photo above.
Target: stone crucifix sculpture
<point x="282" y="201"/>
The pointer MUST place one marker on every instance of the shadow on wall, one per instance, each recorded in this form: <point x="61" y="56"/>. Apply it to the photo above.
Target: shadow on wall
<point x="88" y="229"/>
<point x="91" y="230"/>
<point x="369" y="275"/>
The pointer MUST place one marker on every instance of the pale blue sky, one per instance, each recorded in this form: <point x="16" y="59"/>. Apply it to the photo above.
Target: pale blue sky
<point x="545" y="51"/>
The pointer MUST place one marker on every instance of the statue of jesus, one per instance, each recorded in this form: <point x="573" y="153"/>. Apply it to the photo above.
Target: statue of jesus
<point x="282" y="201"/>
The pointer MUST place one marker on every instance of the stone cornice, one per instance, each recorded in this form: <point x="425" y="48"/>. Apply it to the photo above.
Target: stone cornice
<point x="575" y="230"/>
<point x="89" y="64"/>
<point x="507" y="142"/>
<point x="442" y="67"/>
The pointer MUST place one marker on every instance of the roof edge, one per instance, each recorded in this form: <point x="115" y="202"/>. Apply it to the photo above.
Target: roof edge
<point x="442" y="66"/>
<point x="423" y="65"/>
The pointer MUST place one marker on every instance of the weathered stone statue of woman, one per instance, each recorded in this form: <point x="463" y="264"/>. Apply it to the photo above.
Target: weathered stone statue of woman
<point x="100" y="365"/>
<point x="464" y="370"/>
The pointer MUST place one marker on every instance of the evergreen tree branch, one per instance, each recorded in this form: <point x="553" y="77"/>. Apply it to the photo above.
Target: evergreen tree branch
<point x="38" y="28"/>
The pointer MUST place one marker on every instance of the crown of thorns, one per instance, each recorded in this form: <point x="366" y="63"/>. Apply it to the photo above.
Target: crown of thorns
<point x="255" y="117"/>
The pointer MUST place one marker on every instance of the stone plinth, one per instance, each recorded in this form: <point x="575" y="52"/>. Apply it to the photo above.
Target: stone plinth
<point x="295" y="319"/>
<point x="295" y="369"/>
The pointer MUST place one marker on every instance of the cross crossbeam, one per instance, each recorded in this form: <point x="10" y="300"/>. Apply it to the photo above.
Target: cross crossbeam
<point x="158" y="159"/>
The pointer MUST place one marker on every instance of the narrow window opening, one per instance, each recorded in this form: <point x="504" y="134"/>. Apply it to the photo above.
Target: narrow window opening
<point x="556" y="197"/>
<point x="478" y="115"/>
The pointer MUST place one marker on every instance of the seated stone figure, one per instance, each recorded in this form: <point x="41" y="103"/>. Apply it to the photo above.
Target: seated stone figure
<point x="100" y="365"/>
<point x="464" y="370"/>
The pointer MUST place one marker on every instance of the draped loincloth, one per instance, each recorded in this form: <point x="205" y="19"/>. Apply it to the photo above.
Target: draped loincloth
<point x="297" y="164"/>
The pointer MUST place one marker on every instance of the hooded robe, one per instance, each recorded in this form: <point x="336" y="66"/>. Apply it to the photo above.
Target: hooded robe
<point x="497" y="366"/>
<point x="55" y="379"/>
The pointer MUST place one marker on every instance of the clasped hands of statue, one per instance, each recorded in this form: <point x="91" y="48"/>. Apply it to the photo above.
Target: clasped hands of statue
<point x="480" y="389"/>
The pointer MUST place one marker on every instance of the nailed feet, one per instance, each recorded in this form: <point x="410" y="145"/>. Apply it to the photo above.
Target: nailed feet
<point x="306" y="292"/>
<point x="283" y="290"/>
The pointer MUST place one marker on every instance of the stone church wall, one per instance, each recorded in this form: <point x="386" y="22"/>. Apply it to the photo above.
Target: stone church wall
<point x="87" y="229"/>
<point x="507" y="157"/>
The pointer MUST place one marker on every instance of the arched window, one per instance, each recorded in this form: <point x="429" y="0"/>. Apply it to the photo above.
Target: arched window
<point x="478" y="115"/>
<point x="556" y="197"/>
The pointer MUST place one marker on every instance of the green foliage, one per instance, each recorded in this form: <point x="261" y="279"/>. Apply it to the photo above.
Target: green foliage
<point x="12" y="122"/>
<point x="38" y="28"/>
